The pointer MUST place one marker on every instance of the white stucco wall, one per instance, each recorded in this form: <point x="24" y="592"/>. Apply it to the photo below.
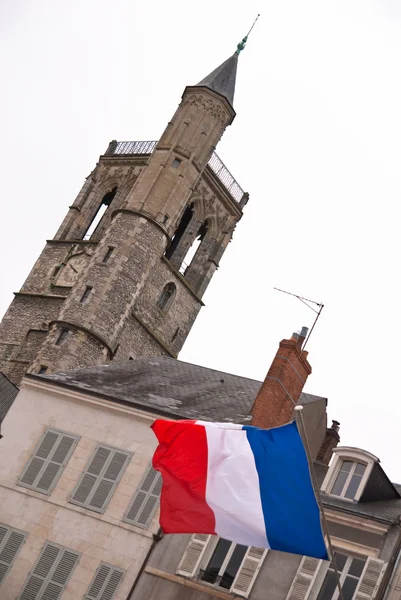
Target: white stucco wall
<point x="52" y="518"/>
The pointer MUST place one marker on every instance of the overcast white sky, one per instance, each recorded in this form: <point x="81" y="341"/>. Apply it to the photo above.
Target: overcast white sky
<point x="316" y="142"/>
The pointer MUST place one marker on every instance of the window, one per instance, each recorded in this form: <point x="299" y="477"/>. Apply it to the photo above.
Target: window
<point x="360" y="577"/>
<point x="349" y="473"/>
<point x="108" y="254"/>
<point x="224" y="564"/>
<point x="62" y="337"/>
<point x="221" y="563"/>
<point x="11" y="541"/>
<point x="86" y="294"/>
<point x="348" y="479"/>
<point x="48" y="461"/>
<point x="50" y="574"/>
<point x="106" y="201"/>
<point x="56" y="270"/>
<point x="176" y="163"/>
<point x="97" y="484"/>
<point x="180" y="231"/>
<point x="42" y="370"/>
<point x="350" y="569"/>
<point x="166" y="297"/>
<point x="105" y="582"/>
<point x="193" y="249"/>
<point x="145" y="500"/>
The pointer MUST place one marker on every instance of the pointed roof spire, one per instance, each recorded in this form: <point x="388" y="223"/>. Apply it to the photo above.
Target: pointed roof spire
<point x="222" y="79"/>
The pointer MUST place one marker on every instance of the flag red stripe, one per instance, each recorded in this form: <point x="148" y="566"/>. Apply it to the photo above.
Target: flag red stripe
<point x="182" y="457"/>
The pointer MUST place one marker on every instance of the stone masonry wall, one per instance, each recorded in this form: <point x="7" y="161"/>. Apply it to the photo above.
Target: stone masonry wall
<point x="115" y="287"/>
<point x="180" y="315"/>
<point x="135" y="342"/>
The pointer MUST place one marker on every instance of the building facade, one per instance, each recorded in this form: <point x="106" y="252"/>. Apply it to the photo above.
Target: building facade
<point x="79" y="497"/>
<point x="125" y="274"/>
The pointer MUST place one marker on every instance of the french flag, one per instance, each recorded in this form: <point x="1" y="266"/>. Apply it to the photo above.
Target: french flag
<point x="248" y="485"/>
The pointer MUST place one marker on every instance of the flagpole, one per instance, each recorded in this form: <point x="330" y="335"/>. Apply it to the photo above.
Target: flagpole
<point x="300" y="420"/>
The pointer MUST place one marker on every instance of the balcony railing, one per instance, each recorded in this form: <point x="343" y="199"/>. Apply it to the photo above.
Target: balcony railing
<point x="215" y="163"/>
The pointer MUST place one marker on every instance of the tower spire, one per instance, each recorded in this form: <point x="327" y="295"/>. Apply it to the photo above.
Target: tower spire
<point x="222" y="79"/>
<point x="244" y="40"/>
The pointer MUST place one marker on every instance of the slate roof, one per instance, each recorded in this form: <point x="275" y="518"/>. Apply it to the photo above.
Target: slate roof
<point x="177" y="389"/>
<point x="170" y="386"/>
<point x="8" y="391"/>
<point x="222" y="79"/>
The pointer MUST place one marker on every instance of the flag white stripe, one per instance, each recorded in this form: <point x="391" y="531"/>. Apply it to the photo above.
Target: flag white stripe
<point x="232" y="489"/>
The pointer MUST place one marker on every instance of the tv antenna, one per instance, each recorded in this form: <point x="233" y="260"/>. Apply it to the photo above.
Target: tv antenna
<point x="308" y="304"/>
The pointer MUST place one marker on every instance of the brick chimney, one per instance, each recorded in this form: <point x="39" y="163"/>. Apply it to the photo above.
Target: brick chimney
<point x="283" y="385"/>
<point x="330" y="442"/>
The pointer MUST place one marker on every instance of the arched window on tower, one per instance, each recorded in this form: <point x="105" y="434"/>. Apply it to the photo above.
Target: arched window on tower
<point x="107" y="200"/>
<point x="179" y="232"/>
<point x="190" y="255"/>
<point x="166" y="297"/>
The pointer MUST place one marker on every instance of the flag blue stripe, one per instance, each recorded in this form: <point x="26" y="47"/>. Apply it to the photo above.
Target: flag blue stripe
<point x="290" y="509"/>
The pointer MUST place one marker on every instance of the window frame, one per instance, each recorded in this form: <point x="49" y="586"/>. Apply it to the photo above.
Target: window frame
<point x="47" y="461"/>
<point x="138" y="489"/>
<point x="344" y="573"/>
<point x="86" y="294"/>
<point x="169" y="289"/>
<point x="113" y="570"/>
<point x="49" y="577"/>
<point x="62" y="337"/>
<point x="3" y="544"/>
<point x="208" y="556"/>
<point x="354" y="455"/>
<point x="100" y="476"/>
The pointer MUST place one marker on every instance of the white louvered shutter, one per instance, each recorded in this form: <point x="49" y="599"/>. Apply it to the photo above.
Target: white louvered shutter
<point x="11" y="541"/>
<point x="304" y="579"/>
<point x="105" y="583"/>
<point x="51" y="573"/>
<point x="370" y="579"/>
<point x="248" y="571"/>
<point x="50" y="457"/>
<point x="145" y="500"/>
<point x="99" y="481"/>
<point x="190" y="561"/>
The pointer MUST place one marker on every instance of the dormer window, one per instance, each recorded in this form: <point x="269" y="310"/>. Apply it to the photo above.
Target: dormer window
<point x="348" y="473"/>
<point x="348" y="479"/>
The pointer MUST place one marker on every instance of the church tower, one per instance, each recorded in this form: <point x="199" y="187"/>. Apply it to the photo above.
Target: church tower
<point x="125" y="273"/>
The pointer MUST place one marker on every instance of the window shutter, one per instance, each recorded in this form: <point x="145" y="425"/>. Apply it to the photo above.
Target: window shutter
<point x="193" y="554"/>
<point x="49" y="459"/>
<point x="11" y="541"/>
<point x="105" y="583"/>
<point x="51" y="573"/>
<point x="98" y="483"/>
<point x="145" y="500"/>
<point x="370" y="579"/>
<point x="304" y="579"/>
<point x="248" y="571"/>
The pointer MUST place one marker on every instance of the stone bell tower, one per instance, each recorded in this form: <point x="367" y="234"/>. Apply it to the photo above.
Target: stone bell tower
<point x="125" y="274"/>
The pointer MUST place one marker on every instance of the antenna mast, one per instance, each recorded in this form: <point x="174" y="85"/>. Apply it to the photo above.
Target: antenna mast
<point x="308" y="304"/>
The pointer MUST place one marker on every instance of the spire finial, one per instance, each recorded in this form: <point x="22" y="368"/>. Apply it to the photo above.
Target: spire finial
<point x="244" y="40"/>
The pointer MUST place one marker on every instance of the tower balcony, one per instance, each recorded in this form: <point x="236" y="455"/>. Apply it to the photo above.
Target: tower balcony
<point x="215" y="164"/>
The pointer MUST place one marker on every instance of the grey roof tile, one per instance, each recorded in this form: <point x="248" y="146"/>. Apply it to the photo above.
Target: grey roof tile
<point x="8" y="391"/>
<point x="169" y="386"/>
<point x="222" y="79"/>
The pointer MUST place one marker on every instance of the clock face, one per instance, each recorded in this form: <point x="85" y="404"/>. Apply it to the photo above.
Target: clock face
<point x="71" y="271"/>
